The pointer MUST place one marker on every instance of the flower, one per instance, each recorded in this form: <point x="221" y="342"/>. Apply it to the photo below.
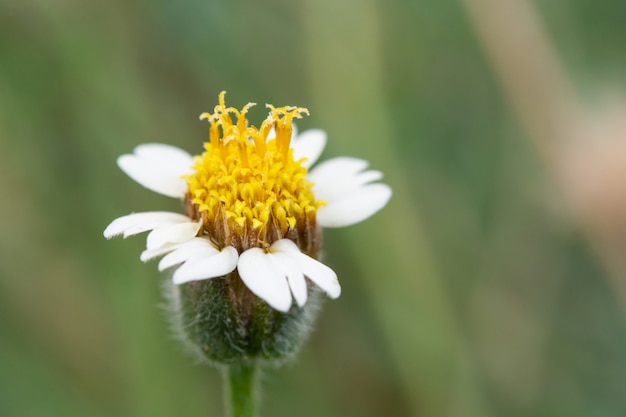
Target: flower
<point x="251" y="204"/>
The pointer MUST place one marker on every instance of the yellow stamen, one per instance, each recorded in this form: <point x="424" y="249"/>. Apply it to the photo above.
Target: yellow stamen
<point x="247" y="183"/>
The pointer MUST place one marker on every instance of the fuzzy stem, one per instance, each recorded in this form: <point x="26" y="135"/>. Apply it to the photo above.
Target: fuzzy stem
<point x="240" y="382"/>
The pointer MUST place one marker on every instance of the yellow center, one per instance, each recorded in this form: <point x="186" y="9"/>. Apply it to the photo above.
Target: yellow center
<point x="244" y="183"/>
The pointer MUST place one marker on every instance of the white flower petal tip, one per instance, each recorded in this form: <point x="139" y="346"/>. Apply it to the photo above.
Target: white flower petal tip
<point x="172" y="233"/>
<point x="265" y="278"/>
<point x="320" y="274"/>
<point x="329" y="171"/>
<point x="158" y="168"/>
<point x="211" y="264"/>
<point x="347" y="187"/>
<point x="295" y="278"/>
<point x="150" y="254"/>
<point x="277" y="276"/>
<point x="136" y="223"/>
<point x="195" y="248"/>
<point x="354" y="207"/>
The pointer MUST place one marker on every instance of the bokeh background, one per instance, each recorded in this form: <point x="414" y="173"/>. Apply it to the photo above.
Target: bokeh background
<point x="493" y="284"/>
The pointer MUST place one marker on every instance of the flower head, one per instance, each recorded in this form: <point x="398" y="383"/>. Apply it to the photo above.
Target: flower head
<point x="252" y="209"/>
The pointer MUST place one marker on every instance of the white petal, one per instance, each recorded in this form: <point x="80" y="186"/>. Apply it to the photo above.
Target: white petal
<point x="159" y="168"/>
<point x="135" y="223"/>
<point x="194" y="249"/>
<point x="262" y="276"/>
<point x="165" y="154"/>
<point x="354" y="207"/>
<point x="166" y="248"/>
<point x="332" y="190"/>
<point x="175" y="233"/>
<point x="211" y="266"/>
<point x="309" y="144"/>
<point x="155" y="253"/>
<point x="320" y="274"/>
<point x="294" y="275"/>
<point x="330" y="170"/>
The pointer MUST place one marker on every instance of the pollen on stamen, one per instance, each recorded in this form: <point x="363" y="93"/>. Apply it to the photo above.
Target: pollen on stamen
<point x="248" y="186"/>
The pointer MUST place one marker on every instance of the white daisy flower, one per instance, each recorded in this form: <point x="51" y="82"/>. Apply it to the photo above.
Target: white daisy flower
<point x="251" y="204"/>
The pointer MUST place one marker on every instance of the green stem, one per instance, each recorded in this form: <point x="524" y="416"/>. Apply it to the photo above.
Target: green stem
<point x="241" y="390"/>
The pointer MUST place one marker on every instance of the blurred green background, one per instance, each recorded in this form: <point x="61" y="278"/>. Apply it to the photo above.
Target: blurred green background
<point x="476" y="292"/>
